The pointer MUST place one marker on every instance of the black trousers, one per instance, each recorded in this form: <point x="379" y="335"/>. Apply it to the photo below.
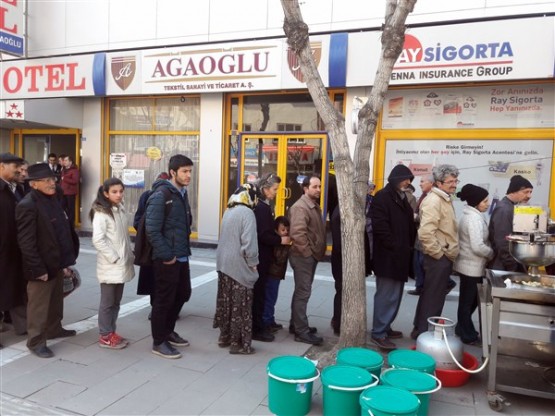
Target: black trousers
<point x="258" y="300"/>
<point x="171" y="290"/>
<point x="468" y="302"/>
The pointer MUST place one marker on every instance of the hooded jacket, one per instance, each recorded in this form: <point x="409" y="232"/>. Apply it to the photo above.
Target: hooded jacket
<point x="169" y="236"/>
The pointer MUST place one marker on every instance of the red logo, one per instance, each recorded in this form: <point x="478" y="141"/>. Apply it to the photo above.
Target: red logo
<point x="293" y="60"/>
<point x="412" y="51"/>
<point x="123" y="70"/>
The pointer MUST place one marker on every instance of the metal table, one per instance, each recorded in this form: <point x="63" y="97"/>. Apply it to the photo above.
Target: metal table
<point x="522" y="339"/>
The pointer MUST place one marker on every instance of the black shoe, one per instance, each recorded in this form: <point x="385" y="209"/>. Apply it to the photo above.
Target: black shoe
<point x="150" y="316"/>
<point x="414" y="334"/>
<point x="274" y="327"/>
<point x="452" y="284"/>
<point x="416" y="292"/>
<point x="165" y="350"/>
<point x="63" y="334"/>
<point x="264" y="336"/>
<point x="311" y="329"/>
<point x="175" y="340"/>
<point x="42" y="352"/>
<point x="335" y="326"/>
<point x="309" y="338"/>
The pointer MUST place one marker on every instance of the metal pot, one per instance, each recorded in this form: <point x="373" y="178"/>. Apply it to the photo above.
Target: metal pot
<point x="433" y="343"/>
<point x="533" y="254"/>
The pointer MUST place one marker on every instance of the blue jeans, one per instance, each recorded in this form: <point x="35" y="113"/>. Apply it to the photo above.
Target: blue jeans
<point x="272" y="289"/>
<point x="418" y="266"/>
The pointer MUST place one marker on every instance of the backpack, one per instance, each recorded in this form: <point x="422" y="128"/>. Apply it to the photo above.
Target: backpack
<point x="143" y="248"/>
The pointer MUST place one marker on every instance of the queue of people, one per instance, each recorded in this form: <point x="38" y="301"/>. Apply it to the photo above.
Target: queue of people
<point x="408" y="238"/>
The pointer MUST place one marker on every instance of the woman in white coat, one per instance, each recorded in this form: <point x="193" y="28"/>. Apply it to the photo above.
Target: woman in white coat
<point x="114" y="264"/>
<point x="474" y="253"/>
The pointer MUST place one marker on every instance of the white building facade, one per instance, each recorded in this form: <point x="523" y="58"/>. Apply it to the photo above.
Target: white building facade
<point x="122" y="85"/>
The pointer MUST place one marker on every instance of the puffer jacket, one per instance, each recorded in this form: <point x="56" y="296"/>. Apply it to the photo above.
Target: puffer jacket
<point x="114" y="262"/>
<point x="438" y="226"/>
<point x="169" y="236"/>
<point x="474" y="247"/>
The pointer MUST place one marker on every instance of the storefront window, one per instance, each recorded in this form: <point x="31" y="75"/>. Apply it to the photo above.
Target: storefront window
<point x="4" y="141"/>
<point x="139" y="151"/>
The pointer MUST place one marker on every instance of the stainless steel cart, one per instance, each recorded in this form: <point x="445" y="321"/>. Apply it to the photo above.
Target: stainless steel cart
<point x="522" y="338"/>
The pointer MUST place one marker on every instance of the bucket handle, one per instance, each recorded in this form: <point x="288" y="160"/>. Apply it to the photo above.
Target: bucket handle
<point x="302" y="381"/>
<point x="438" y="381"/>
<point x="376" y="381"/>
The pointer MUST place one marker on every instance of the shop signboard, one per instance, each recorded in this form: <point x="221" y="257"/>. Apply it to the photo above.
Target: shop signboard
<point x="12" y="27"/>
<point x="487" y="163"/>
<point x="500" y="106"/>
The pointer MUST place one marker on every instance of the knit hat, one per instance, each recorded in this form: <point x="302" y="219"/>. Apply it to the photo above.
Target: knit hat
<point x="517" y="183"/>
<point x="472" y="194"/>
<point x="399" y="173"/>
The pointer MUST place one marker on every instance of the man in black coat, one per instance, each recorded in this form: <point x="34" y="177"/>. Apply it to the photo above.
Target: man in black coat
<point x="394" y="233"/>
<point x="12" y="286"/>
<point x="49" y="245"/>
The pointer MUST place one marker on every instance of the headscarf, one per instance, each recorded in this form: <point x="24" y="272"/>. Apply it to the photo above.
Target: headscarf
<point x="246" y="194"/>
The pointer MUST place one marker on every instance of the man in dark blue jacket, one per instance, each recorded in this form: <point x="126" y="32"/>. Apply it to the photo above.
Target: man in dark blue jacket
<point x="169" y="236"/>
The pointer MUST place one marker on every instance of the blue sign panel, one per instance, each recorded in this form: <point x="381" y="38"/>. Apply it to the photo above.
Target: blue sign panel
<point x="11" y="44"/>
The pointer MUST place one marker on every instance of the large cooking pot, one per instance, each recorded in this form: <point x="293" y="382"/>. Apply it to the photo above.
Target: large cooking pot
<point x="533" y="254"/>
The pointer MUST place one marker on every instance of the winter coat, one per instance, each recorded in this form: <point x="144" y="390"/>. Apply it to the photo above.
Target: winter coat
<point x="438" y="232"/>
<point x="474" y="247"/>
<point x="267" y="237"/>
<point x="12" y="285"/>
<point x="70" y="180"/>
<point x="169" y="236"/>
<point x="114" y="261"/>
<point x="278" y="266"/>
<point x="393" y="233"/>
<point x="307" y="229"/>
<point x="500" y="226"/>
<point x="38" y="240"/>
<point x="237" y="250"/>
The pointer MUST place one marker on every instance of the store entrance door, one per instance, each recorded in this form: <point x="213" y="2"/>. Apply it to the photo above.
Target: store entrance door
<point x="291" y="156"/>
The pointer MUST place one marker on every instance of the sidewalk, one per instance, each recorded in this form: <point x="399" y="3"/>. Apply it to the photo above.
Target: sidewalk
<point x="83" y="379"/>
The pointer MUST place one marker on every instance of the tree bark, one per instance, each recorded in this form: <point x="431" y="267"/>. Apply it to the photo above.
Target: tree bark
<point x="352" y="175"/>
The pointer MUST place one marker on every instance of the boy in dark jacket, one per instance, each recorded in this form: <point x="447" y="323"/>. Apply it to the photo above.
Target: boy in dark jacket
<point x="276" y="273"/>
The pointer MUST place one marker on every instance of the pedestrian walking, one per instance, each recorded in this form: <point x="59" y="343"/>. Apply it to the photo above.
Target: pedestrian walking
<point x="114" y="261"/>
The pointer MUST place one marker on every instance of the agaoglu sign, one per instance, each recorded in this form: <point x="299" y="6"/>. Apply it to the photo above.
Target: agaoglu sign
<point x="12" y="27"/>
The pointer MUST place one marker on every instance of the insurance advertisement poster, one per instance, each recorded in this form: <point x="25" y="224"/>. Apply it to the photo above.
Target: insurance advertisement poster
<point x="487" y="163"/>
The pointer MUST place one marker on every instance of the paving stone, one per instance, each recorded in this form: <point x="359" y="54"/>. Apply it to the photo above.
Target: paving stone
<point x="56" y="393"/>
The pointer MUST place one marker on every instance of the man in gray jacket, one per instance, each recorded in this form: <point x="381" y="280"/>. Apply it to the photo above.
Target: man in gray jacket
<point x="501" y="224"/>
<point x="309" y="246"/>
<point x="169" y="236"/>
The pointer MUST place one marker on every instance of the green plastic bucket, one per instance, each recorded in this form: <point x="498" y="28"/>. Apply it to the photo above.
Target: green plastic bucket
<point x="342" y="385"/>
<point x="388" y="401"/>
<point x="413" y="360"/>
<point x="361" y="357"/>
<point x="417" y="382"/>
<point x="290" y="381"/>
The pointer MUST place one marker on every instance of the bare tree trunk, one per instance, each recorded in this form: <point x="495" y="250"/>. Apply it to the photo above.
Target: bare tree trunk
<point x="352" y="176"/>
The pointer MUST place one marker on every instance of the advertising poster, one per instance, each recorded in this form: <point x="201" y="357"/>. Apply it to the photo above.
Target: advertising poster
<point x="488" y="163"/>
<point x="133" y="178"/>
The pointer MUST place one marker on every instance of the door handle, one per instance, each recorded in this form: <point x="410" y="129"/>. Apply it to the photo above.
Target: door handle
<point x="287" y="193"/>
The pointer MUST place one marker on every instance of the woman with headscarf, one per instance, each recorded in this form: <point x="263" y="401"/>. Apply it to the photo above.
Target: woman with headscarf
<point x="236" y="261"/>
<point x="474" y="253"/>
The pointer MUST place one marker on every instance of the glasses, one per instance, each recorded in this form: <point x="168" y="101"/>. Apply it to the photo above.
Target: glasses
<point x="46" y="180"/>
<point x="451" y="182"/>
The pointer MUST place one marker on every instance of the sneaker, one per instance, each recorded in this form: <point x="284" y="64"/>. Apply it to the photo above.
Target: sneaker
<point x="165" y="350"/>
<point x="392" y="334"/>
<point x="112" y="342"/>
<point x="384" y="343"/>
<point x="311" y="329"/>
<point x="264" y="336"/>
<point x="415" y="292"/>
<point x="309" y="339"/>
<point x="118" y="337"/>
<point x="175" y="340"/>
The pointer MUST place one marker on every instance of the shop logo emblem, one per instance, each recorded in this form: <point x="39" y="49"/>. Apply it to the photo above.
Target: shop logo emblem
<point x="295" y="65"/>
<point x="123" y="70"/>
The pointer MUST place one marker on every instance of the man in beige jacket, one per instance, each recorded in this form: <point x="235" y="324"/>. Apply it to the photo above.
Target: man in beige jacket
<point x="440" y="245"/>
<point x="308" y="234"/>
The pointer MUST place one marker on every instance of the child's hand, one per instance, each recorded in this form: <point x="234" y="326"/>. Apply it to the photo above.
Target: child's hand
<point x="286" y="241"/>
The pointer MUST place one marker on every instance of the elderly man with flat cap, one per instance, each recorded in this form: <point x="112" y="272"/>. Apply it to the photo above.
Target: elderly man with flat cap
<point x="49" y="245"/>
<point x="12" y="286"/>
<point x="501" y="224"/>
